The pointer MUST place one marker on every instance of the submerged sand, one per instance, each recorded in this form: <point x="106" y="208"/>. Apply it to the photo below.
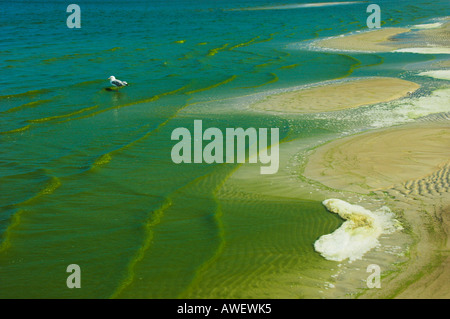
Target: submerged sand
<point x="337" y="96"/>
<point x="380" y="159"/>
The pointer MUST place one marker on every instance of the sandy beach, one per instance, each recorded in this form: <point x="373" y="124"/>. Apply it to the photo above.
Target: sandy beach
<point x="380" y="159"/>
<point x="408" y="166"/>
<point x="427" y="41"/>
<point x="437" y="35"/>
<point x="377" y="40"/>
<point x="329" y="97"/>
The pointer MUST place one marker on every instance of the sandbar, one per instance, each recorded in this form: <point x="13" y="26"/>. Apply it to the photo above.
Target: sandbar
<point x="424" y="41"/>
<point x="411" y="164"/>
<point x="337" y="96"/>
<point x="378" y="40"/>
<point x="380" y="159"/>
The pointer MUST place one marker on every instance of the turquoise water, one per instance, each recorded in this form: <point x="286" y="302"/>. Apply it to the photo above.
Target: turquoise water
<point x="86" y="175"/>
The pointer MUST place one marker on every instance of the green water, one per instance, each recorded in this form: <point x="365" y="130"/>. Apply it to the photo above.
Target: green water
<point x="86" y="175"/>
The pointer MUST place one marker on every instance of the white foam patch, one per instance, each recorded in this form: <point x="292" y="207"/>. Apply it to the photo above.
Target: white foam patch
<point x="409" y="109"/>
<point x="437" y="74"/>
<point x="401" y="111"/>
<point x="358" y="234"/>
<point x="426" y="50"/>
<point x="428" y="25"/>
<point x="437" y="102"/>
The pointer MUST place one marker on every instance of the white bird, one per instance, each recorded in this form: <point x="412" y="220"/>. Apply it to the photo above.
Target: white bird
<point x="115" y="82"/>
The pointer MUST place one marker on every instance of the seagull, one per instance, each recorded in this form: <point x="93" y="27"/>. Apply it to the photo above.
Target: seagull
<point x="115" y="82"/>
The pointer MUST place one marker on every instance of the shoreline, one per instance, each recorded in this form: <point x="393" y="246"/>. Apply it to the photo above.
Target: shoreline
<point x="427" y="40"/>
<point x="379" y="159"/>
<point x="415" y="193"/>
<point x="378" y="40"/>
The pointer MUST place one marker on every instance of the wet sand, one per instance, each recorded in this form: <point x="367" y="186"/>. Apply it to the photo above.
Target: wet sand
<point x="425" y="206"/>
<point x="437" y="36"/>
<point x="329" y="97"/>
<point x="409" y="167"/>
<point x="427" y="41"/>
<point x="378" y="40"/>
<point x="381" y="159"/>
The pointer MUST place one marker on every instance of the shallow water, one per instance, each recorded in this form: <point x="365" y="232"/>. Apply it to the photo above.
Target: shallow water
<point x="86" y="175"/>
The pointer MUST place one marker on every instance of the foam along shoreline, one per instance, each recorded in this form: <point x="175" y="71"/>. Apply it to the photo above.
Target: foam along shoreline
<point x="358" y="234"/>
<point x="428" y="25"/>
<point x="425" y="50"/>
<point x="380" y="159"/>
<point x="374" y="40"/>
<point x="430" y="41"/>
<point x="437" y="74"/>
<point x="329" y="97"/>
